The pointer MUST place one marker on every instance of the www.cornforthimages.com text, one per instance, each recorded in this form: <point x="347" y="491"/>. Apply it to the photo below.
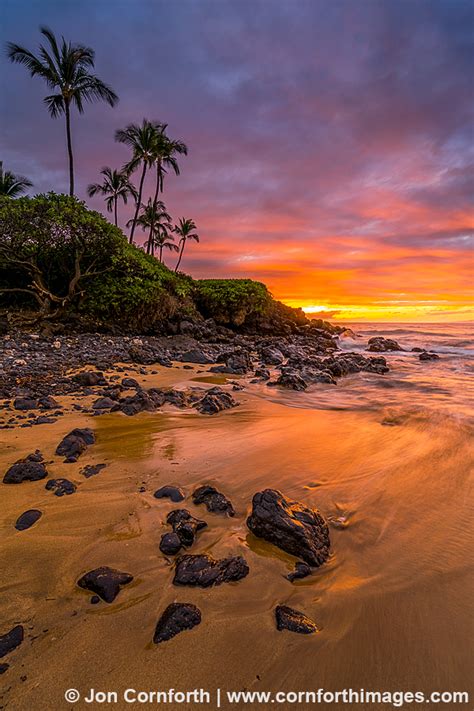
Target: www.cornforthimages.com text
<point x="219" y="697"/>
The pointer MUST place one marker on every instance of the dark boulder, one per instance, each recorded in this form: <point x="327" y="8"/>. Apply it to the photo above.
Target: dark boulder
<point x="48" y="403"/>
<point x="25" y="403"/>
<point x="290" y="380"/>
<point x="262" y="373"/>
<point x="204" y="571"/>
<point x="27" y="519"/>
<point x="92" y="469"/>
<point x="103" y="403"/>
<point x="302" y="570"/>
<point x="378" y="344"/>
<point x="215" y="400"/>
<point x="175" y="493"/>
<point x="11" y="640"/>
<point x="75" y="443"/>
<point x="289" y="619"/>
<point x="185" y="525"/>
<point x="61" y="487"/>
<point x="291" y="526"/>
<point x="195" y="355"/>
<point x="29" y="469"/>
<point x="428" y="356"/>
<point x="177" y="617"/>
<point x="271" y="356"/>
<point x="130" y="384"/>
<point x="170" y="543"/>
<point x="105" y="582"/>
<point x="89" y="378"/>
<point x="214" y="501"/>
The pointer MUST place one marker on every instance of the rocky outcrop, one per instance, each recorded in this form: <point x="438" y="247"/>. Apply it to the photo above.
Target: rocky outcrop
<point x="204" y="571"/>
<point x="302" y="570"/>
<point x="185" y="528"/>
<point x="105" y="582"/>
<point x="427" y="355"/>
<point x="177" y="617"/>
<point x="289" y="619"/>
<point x="377" y="344"/>
<point x="215" y="400"/>
<point x="291" y="526"/>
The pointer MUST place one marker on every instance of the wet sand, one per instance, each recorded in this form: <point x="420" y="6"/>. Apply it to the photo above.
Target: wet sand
<point x="393" y="603"/>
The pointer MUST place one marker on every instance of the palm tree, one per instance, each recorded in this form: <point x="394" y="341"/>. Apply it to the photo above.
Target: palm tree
<point x="185" y="231"/>
<point x="115" y="185"/>
<point x="12" y="185"/>
<point x="166" y="151"/>
<point x="65" y="69"/>
<point x="164" y="240"/>
<point x="156" y="218"/>
<point x="142" y="141"/>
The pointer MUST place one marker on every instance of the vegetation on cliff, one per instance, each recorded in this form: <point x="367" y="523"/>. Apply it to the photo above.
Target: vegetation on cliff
<point x="61" y="262"/>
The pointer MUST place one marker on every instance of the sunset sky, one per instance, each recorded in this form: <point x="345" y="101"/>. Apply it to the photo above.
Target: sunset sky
<point x="330" y="141"/>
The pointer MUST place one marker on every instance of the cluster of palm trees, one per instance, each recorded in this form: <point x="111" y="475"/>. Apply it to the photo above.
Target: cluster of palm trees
<point x="67" y="70"/>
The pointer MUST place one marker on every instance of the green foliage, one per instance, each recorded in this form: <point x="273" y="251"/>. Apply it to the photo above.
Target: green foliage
<point x="231" y="301"/>
<point x="44" y="241"/>
<point x="138" y="293"/>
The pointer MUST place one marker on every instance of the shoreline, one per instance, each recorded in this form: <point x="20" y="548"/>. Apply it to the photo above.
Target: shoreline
<point x="389" y="520"/>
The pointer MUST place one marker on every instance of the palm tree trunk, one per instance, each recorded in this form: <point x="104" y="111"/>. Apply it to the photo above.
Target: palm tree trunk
<point x="69" y="150"/>
<point x="161" y="253"/>
<point x="139" y="202"/>
<point x="183" y="242"/>
<point x="155" y="201"/>
<point x="115" y="211"/>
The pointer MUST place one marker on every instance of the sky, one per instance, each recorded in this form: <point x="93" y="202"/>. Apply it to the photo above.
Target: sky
<point x="330" y="142"/>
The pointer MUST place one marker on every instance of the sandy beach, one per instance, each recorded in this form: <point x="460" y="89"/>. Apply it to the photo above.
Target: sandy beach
<point x="392" y="602"/>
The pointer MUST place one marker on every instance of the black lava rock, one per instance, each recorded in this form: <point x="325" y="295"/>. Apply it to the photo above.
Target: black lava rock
<point x="92" y="469"/>
<point x="75" y="443"/>
<point x="25" y="403"/>
<point x="89" y="378"/>
<point x="378" y="344"/>
<point x="291" y="526"/>
<point x="105" y="581"/>
<point x="11" y="640"/>
<point x="215" y="501"/>
<point x="177" y="617"/>
<point x="27" y="519"/>
<point x="175" y="493"/>
<point x="204" y="571"/>
<point x="215" y="400"/>
<point x="289" y="619"/>
<point x="170" y="543"/>
<point x="428" y="356"/>
<point x="29" y="469"/>
<point x="61" y="487"/>
<point x="302" y="570"/>
<point x="185" y="525"/>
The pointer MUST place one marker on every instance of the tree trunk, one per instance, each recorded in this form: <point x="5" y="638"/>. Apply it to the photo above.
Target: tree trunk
<point x="161" y="253"/>
<point x="155" y="201"/>
<point x="69" y="149"/>
<point x="139" y="202"/>
<point x="183" y="242"/>
<point x="115" y="211"/>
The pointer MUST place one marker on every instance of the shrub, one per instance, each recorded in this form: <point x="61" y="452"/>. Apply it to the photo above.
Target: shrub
<point x="231" y="301"/>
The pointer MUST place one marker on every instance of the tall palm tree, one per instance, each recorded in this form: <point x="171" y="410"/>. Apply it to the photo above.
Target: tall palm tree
<point x="142" y="141"/>
<point x="166" y="151"/>
<point x="185" y="231"/>
<point x="12" y="185"/>
<point x="115" y="185"/>
<point x="65" y="67"/>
